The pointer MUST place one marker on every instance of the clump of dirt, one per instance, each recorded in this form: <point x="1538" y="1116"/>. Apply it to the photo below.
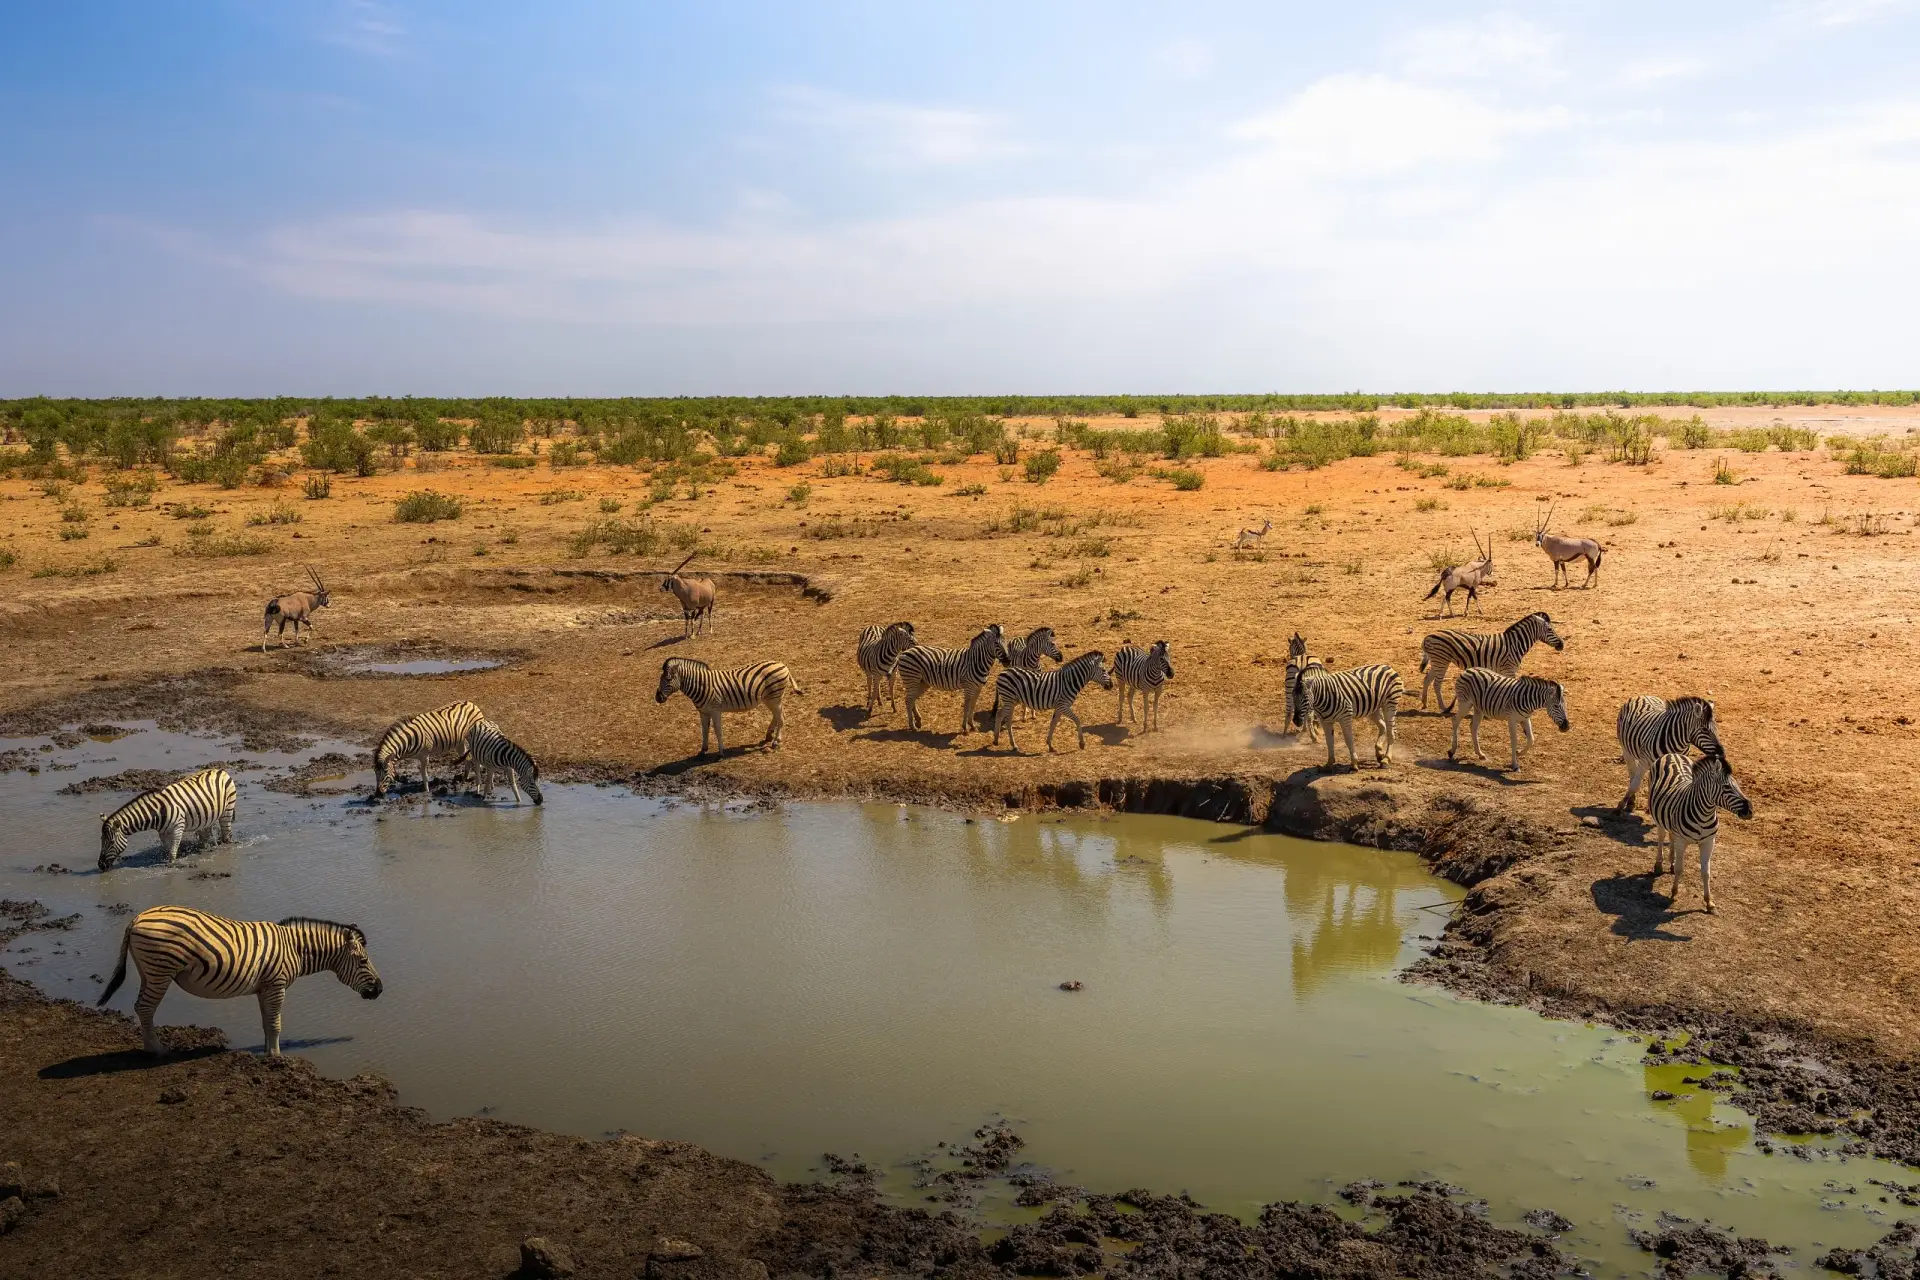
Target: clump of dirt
<point x="328" y="766"/>
<point x="1891" y="1257"/>
<point x="1686" y="1248"/>
<point x="132" y="780"/>
<point x="20" y="916"/>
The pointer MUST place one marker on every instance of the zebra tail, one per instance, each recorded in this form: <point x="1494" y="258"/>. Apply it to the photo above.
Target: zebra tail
<point x="1423" y="662"/>
<point x="120" y="971"/>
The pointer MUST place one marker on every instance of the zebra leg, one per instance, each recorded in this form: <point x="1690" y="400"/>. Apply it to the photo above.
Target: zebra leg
<point x="176" y="831"/>
<point x="1676" y="850"/>
<point x="772" y="740"/>
<point x="1155" y="722"/>
<point x="1706" y="867"/>
<point x="913" y="709"/>
<point x="1453" y="747"/>
<point x="968" y="698"/>
<point x="226" y="826"/>
<point x="1635" y="770"/>
<point x="1346" y="728"/>
<point x="1052" y="724"/>
<point x="1513" y="741"/>
<point x="271" y="996"/>
<point x="153" y="988"/>
<point x="1387" y="715"/>
<point x="1478" y="754"/>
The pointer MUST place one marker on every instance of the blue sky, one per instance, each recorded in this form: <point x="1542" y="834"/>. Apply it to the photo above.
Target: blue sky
<point x="349" y="197"/>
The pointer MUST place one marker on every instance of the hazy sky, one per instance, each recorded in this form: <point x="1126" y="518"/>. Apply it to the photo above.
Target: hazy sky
<point x="353" y="197"/>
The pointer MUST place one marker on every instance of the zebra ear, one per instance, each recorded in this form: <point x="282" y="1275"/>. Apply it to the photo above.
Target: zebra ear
<point x="103" y="817"/>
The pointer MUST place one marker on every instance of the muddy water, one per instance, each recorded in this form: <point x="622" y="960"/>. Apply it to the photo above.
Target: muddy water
<point x="777" y="983"/>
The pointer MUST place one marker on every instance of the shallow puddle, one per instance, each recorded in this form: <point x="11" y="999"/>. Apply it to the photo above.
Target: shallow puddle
<point x="423" y="667"/>
<point x="779" y="983"/>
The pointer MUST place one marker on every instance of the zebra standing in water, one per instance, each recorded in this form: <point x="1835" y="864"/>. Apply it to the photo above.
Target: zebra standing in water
<point x="731" y="689"/>
<point x="1684" y="799"/>
<point x="492" y="752"/>
<point x="1341" y="697"/>
<point x="927" y="666"/>
<point x="200" y="803"/>
<point x="1467" y="649"/>
<point x="878" y="648"/>
<point x="1145" y="671"/>
<point x="1052" y="691"/>
<point x="1025" y="655"/>
<point x="439" y="734"/>
<point x="1649" y="727"/>
<point x="1478" y="691"/>
<point x="217" y="958"/>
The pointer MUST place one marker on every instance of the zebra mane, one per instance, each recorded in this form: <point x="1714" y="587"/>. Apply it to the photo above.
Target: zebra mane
<point x="358" y="933"/>
<point x="695" y="663"/>
<point x="1691" y="700"/>
<point x="1080" y="658"/>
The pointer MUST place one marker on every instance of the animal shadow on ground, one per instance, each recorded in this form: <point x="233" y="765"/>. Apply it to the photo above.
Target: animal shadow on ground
<point x="1493" y="772"/>
<point x="1627" y="829"/>
<point x="101" y="1064"/>
<point x="664" y="641"/>
<point x="1639" y="913"/>
<point x="1110" y="735"/>
<point x="674" y="768"/>
<point x="925" y="737"/>
<point x="843" y="718"/>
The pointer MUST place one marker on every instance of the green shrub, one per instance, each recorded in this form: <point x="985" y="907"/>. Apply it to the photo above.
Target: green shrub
<point x="334" y="445"/>
<point x="607" y="505"/>
<point x="905" y="469"/>
<point x="799" y="493"/>
<point x="435" y="436"/>
<point x="554" y="497"/>
<point x="793" y="451"/>
<point x="1042" y="466"/>
<point x="1182" y="477"/>
<point x="619" y="537"/>
<point x="319" y="485"/>
<point x="8" y="559"/>
<point x="72" y="532"/>
<point x="565" y="453"/>
<point x="424" y="506"/>
<point x="514" y="461"/>
<point x="204" y="543"/>
<point x="132" y="491"/>
<point x="278" y="513"/>
<point x="397" y="437"/>
<point x="496" y="434"/>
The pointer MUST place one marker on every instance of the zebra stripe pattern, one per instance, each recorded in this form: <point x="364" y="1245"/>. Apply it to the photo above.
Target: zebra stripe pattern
<point x="1684" y="799"/>
<point x="439" y="734"/>
<point x="729" y="689"/>
<point x="1026" y="654"/>
<point x="1341" y="697"/>
<point x="1479" y="691"/>
<point x="1468" y="649"/>
<point x="1145" y="671"/>
<point x="201" y="803"/>
<point x="876" y="653"/>
<point x="492" y="752"/>
<point x="1649" y="727"/>
<point x="218" y="958"/>
<point x="1053" y="691"/>
<point x="926" y="666"/>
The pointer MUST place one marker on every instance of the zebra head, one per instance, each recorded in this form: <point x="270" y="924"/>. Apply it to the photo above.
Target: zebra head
<point x="113" y="842"/>
<point x="993" y="640"/>
<point x="669" y="678"/>
<point x="900" y="630"/>
<point x="1296" y="694"/>
<point x="1296" y="646"/>
<point x="1729" y="796"/>
<point x="1041" y="645"/>
<point x="1543" y="630"/>
<point x="1160" y="655"/>
<point x="353" y="967"/>
<point x="1557" y="708"/>
<point x="1094" y="663"/>
<point x="1699" y="714"/>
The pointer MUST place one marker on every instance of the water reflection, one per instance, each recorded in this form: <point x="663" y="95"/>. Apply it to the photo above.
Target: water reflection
<point x="1709" y="1145"/>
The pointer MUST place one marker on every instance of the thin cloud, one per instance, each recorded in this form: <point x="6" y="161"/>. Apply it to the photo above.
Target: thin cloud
<point x="1186" y="58"/>
<point x="896" y="134"/>
<point x="1498" y="45"/>
<point x="366" y="27"/>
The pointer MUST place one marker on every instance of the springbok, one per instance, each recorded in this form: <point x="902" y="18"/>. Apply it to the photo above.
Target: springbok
<point x="695" y="596"/>
<point x="1468" y="578"/>
<point x="296" y="608"/>
<point x="1252" y="537"/>
<point x="1564" y="551"/>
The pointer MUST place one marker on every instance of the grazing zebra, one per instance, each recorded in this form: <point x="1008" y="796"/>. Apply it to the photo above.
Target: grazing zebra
<point x="1145" y="671"/>
<point x="1478" y="691"/>
<point x="1340" y="697"/>
<point x="731" y="689"/>
<point x="1025" y="655"/>
<point x="218" y="959"/>
<point x="1649" y="727"/>
<point x="199" y="803"/>
<point x="439" y="734"/>
<point x="878" y="648"/>
<point x="1684" y="799"/>
<point x="494" y="752"/>
<point x="927" y="666"/>
<point x="1047" y="691"/>
<point x="1464" y="649"/>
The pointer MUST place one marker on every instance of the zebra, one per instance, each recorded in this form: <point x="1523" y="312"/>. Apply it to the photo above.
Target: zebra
<point x="730" y="689"/>
<point x="439" y="734"/>
<point x="1339" y="697"/>
<point x="927" y="666"/>
<point x="1464" y="649"/>
<point x="1478" y="691"/>
<point x="879" y="647"/>
<point x="1649" y="727"/>
<point x="200" y="803"/>
<point x="1684" y="799"/>
<point x="218" y="959"/>
<point x="1047" y="691"/>
<point x="1025" y="655"/>
<point x="1145" y="671"/>
<point x="492" y="751"/>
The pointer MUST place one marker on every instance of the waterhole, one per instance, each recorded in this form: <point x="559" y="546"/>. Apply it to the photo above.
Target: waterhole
<point x="777" y="983"/>
<point x="385" y="660"/>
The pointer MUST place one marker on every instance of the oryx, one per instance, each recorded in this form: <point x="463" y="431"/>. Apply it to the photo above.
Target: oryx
<point x="695" y="596"/>
<point x="1564" y="551"/>
<point x="296" y="609"/>
<point x="1468" y="578"/>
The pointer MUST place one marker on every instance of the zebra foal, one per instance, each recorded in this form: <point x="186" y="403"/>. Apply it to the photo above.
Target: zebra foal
<point x="878" y="649"/>
<point x="1649" y="727"/>
<point x="927" y="666"/>
<point x="1341" y="697"/>
<point x="439" y="734"/>
<point x="1146" y="672"/>
<point x="1467" y="649"/>
<point x="1053" y="691"/>
<point x="201" y="803"/>
<point x="217" y="958"/>
<point x="491" y="752"/>
<point x="1478" y="691"/>
<point x="1684" y="798"/>
<point x="730" y="689"/>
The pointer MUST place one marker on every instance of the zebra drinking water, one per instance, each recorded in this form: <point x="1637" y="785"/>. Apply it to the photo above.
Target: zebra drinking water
<point x="876" y="653"/>
<point x="439" y="734"/>
<point x="730" y="689"/>
<point x="1684" y="799"/>
<point x="217" y="958"/>
<point x="1145" y="671"/>
<point x="1341" y="697"/>
<point x="491" y="752"/>
<point x="1478" y="691"/>
<point x="1052" y="691"/>
<point x="1465" y="649"/>
<point x="1649" y="727"/>
<point x="201" y="803"/>
<point x="927" y="666"/>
